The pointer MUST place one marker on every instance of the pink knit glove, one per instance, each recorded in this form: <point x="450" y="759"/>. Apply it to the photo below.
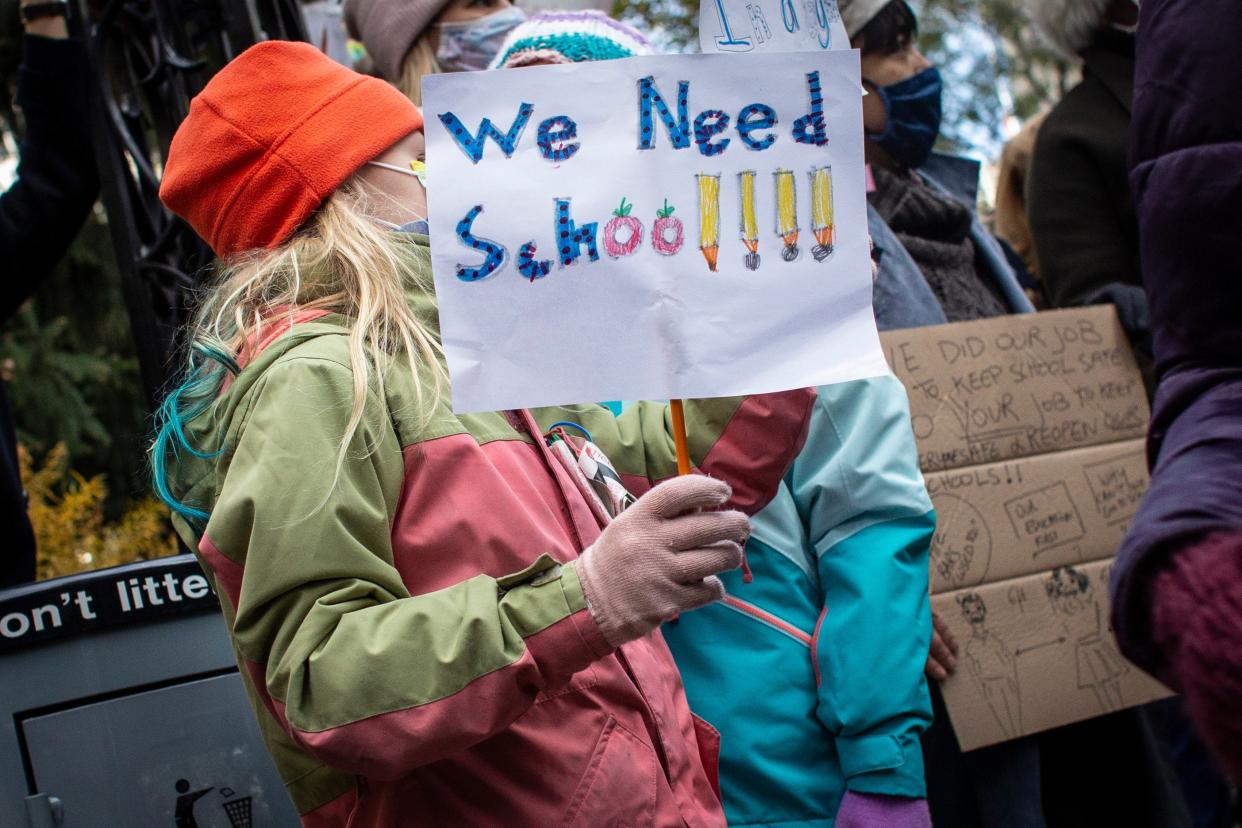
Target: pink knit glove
<point x="660" y="557"/>
<point x="1196" y="620"/>
<point x="860" y="810"/>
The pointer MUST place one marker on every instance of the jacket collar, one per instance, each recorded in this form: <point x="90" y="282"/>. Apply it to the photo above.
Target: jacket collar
<point x="421" y="297"/>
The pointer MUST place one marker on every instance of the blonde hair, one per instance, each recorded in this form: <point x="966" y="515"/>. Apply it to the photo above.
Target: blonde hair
<point x="343" y="262"/>
<point x="419" y="61"/>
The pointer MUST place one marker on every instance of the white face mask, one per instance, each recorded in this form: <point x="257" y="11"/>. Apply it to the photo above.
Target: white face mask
<point x="470" y="45"/>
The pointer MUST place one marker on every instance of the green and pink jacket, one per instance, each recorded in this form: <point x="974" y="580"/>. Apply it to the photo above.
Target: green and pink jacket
<point x="416" y="641"/>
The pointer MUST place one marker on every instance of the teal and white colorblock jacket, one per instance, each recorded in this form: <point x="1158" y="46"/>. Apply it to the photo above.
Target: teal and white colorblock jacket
<point x="813" y="671"/>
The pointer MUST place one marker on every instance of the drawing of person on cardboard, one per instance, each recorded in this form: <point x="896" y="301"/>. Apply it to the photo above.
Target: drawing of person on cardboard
<point x="993" y="666"/>
<point x="1100" y="666"/>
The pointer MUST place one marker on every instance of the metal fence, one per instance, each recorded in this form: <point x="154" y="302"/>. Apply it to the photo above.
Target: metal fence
<point x="149" y="58"/>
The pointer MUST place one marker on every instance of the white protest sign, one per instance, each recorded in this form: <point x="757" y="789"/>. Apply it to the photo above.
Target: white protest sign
<point x="770" y="26"/>
<point x="659" y="227"/>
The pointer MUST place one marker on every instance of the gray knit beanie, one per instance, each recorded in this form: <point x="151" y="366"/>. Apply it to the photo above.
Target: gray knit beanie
<point x="1067" y="25"/>
<point x="388" y="28"/>
<point x="856" y="14"/>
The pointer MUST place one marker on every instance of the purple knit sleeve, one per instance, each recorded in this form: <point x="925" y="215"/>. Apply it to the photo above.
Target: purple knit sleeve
<point x="1197" y="625"/>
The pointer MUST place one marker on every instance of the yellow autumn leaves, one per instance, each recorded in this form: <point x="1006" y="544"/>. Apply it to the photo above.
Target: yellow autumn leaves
<point x="71" y="534"/>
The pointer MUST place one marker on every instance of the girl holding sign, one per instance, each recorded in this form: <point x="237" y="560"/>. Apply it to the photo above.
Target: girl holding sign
<point x="437" y="622"/>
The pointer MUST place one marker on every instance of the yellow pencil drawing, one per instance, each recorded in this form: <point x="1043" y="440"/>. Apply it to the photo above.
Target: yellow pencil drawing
<point x="787" y="213"/>
<point x="709" y="217"/>
<point x="822" y="218"/>
<point x="749" y="222"/>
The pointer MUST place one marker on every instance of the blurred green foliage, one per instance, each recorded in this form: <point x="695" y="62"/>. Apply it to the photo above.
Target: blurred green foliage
<point x="72" y="374"/>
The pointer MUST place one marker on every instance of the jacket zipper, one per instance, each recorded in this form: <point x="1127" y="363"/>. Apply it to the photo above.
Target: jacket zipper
<point x="819" y="625"/>
<point x="764" y="617"/>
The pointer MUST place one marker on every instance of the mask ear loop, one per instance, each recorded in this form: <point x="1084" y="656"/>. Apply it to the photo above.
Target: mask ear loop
<point x="388" y="166"/>
<point x="417" y="168"/>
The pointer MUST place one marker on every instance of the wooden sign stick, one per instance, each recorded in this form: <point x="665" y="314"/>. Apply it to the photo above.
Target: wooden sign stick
<point x="679" y="437"/>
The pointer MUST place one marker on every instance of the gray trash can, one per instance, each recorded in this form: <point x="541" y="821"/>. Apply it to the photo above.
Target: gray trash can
<point x="121" y="705"/>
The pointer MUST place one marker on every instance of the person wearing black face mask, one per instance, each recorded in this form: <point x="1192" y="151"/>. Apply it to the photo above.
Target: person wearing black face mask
<point x="936" y="264"/>
<point x="936" y="261"/>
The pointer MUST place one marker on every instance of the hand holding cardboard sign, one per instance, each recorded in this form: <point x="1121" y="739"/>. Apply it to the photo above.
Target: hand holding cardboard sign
<point x="941" y="656"/>
<point x="660" y="557"/>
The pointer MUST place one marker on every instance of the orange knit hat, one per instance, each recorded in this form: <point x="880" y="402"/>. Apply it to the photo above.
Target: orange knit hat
<point x="270" y="137"/>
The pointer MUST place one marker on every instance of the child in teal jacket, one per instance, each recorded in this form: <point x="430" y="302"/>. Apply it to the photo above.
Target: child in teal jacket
<point x="813" y="671"/>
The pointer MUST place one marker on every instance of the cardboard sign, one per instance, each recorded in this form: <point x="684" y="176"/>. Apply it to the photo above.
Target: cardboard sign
<point x="1016" y="386"/>
<point x="1035" y="653"/>
<point x="662" y="227"/>
<point x="1029" y="430"/>
<point x="771" y="26"/>
<point x="1006" y="520"/>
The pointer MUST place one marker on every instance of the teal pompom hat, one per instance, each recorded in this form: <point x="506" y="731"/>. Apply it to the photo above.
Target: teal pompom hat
<point x="569" y="37"/>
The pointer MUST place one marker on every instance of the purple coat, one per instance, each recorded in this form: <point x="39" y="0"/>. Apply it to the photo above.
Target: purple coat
<point x="1186" y="160"/>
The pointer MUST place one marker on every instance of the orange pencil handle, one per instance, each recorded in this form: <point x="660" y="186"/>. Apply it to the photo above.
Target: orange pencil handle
<point x="679" y="436"/>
